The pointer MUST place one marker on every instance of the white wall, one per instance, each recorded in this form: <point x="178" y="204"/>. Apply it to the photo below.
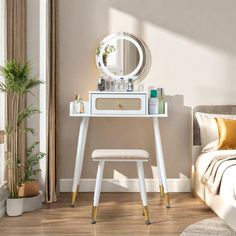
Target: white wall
<point x="193" y="50"/>
<point x="193" y="57"/>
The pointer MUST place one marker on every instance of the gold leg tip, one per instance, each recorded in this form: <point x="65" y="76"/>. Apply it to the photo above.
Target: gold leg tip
<point x="167" y="200"/>
<point x="93" y="222"/>
<point x="73" y="199"/>
<point x="94" y="214"/>
<point x="147" y="222"/>
<point x="161" y="190"/>
<point x="146" y="214"/>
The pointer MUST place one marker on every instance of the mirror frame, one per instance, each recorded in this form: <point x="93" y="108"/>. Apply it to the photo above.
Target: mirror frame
<point x="140" y="47"/>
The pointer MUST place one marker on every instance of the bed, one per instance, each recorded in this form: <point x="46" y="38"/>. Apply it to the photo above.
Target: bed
<point x="223" y="203"/>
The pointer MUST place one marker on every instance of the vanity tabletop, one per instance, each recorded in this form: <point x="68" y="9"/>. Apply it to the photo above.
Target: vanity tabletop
<point x="165" y="115"/>
<point x="119" y="92"/>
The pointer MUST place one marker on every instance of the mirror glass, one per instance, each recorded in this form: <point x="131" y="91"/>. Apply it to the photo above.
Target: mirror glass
<point x="121" y="55"/>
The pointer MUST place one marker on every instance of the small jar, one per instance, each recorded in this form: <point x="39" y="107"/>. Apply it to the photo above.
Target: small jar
<point x="122" y="85"/>
<point x="112" y="85"/>
<point x="130" y="85"/>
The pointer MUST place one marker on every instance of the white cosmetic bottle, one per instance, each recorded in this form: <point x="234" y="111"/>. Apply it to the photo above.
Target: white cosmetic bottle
<point x="153" y="103"/>
<point x="75" y="106"/>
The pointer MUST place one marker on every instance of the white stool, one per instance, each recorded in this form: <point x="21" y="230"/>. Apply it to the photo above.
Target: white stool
<point x="102" y="155"/>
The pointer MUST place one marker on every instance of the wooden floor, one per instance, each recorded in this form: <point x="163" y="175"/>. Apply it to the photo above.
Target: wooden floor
<point x="119" y="214"/>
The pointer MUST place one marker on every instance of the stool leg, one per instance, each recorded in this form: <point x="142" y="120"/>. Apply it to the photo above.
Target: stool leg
<point x="143" y="192"/>
<point x="98" y="186"/>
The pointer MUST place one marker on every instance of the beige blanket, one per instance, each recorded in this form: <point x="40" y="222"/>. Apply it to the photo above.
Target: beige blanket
<point x="214" y="172"/>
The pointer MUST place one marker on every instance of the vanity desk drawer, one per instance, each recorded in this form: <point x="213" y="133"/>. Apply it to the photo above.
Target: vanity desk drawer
<point x="118" y="103"/>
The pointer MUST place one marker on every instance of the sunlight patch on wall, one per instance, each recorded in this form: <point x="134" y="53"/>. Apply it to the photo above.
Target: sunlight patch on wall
<point x="118" y="175"/>
<point x="154" y="172"/>
<point x="203" y="74"/>
<point x="122" y="22"/>
<point x="184" y="66"/>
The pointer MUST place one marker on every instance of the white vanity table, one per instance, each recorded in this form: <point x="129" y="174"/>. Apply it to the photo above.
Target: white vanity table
<point x="119" y="112"/>
<point x="125" y="56"/>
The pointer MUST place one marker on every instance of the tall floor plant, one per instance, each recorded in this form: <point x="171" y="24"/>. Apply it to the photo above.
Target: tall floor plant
<point x="17" y="83"/>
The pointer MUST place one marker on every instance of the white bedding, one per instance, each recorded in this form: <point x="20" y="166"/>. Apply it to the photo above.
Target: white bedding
<point x="228" y="184"/>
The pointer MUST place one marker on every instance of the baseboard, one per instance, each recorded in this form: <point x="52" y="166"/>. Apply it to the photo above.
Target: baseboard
<point x="126" y="185"/>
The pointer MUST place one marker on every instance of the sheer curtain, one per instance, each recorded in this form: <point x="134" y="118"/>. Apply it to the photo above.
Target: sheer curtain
<point x="2" y="96"/>
<point x="49" y="122"/>
<point x="53" y="113"/>
<point x="16" y="24"/>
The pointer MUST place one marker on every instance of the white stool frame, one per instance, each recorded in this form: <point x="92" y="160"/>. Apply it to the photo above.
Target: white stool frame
<point x="142" y="186"/>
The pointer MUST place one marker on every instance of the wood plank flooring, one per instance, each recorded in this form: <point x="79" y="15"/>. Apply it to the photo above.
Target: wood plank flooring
<point x="119" y="214"/>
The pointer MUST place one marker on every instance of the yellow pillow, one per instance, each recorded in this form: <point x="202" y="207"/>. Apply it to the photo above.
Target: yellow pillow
<point x="227" y="133"/>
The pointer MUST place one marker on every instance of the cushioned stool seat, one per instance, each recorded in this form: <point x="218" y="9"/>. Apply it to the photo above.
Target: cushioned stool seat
<point x="132" y="155"/>
<point x="120" y="154"/>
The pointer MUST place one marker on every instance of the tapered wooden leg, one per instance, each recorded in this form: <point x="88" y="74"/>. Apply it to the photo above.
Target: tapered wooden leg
<point x="97" y="191"/>
<point x="160" y="160"/>
<point x="79" y="157"/>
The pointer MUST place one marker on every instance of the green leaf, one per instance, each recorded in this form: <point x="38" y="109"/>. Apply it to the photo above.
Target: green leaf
<point x="30" y="166"/>
<point x="31" y="84"/>
<point x="26" y="113"/>
<point x="17" y="78"/>
<point x="28" y="130"/>
<point x="9" y="129"/>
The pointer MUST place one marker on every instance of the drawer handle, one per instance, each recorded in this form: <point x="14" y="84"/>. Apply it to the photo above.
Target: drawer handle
<point x="119" y="105"/>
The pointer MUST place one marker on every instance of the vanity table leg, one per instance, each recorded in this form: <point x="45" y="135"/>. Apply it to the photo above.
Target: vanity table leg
<point x="79" y="157"/>
<point x="160" y="161"/>
<point x="160" y="179"/>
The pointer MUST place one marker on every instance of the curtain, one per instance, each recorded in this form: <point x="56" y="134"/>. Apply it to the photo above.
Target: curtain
<point x="16" y="50"/>
<point x="53" y="113"/>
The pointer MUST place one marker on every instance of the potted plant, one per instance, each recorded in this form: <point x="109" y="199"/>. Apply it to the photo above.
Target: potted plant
<point x="17" y="84"/>
<point x="107" y="51"/>
<point x="29" y="185"/>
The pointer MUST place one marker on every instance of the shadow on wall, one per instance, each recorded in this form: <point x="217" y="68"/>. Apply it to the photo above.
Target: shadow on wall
<point x="210" y="22"/>
<point x="138" y="133"/>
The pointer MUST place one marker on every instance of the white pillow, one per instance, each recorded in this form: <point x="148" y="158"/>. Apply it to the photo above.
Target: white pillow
<point x="213" y="146"/>
<point x="208" y="126"/>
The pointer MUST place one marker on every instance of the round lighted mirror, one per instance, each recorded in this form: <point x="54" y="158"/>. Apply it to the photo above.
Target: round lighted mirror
<point x="121" y="55"/>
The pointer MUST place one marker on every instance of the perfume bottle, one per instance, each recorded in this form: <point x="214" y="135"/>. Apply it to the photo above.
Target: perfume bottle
<point x="112" y="85"/>
<point x="76" y="105"/>
<point x="81" y="107"/>
<point x="121" y="85"/>
<point x="130" y="87"/>
<point x="161" y="101"/>
<point x="101" y="83"/>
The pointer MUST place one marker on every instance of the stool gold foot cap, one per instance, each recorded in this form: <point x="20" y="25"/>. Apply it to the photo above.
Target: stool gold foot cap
<point x="146" y="214"/>
<point x="93" y="222"/>
<point x="147" y="222"/>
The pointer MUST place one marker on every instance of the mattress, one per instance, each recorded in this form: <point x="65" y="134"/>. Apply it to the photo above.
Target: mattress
<point x="228" y="184"/>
